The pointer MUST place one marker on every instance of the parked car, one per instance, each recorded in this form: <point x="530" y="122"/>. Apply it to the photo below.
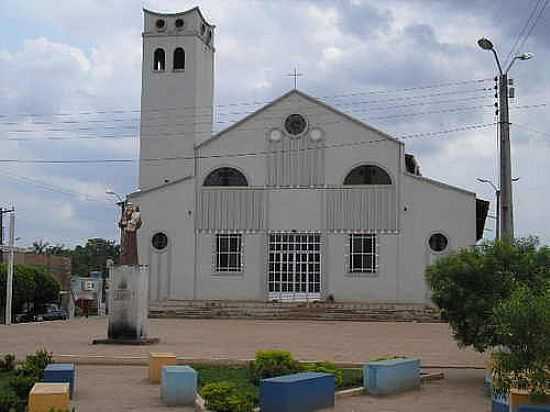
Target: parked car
<point x="24" y="317"/>
<point x="52" y="312"/>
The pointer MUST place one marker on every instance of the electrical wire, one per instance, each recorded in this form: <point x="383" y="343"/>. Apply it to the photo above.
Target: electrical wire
<point x="248" y="154"/>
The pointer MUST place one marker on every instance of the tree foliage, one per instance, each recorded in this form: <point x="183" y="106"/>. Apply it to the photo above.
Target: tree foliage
<point x="93" y="256"/>
<point x="467" y="285"/>
<point x="31" y="286"/>
<point x="522" y="323"/>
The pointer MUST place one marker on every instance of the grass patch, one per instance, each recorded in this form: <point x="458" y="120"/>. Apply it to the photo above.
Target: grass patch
<point x="240" y="377"/>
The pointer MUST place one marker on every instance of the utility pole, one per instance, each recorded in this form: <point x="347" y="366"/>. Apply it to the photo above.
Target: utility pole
<point x="506" y="197"/>
<point x="1" y="235"/>
<point x="506" y="211"/>
<point x="9" y="282"/>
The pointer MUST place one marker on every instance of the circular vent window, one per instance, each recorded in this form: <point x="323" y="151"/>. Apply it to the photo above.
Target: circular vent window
<point x="159" y="241"/>
<point x="179" y="24"/>
<point x="295" y="124"/>
<point x="159" y="24"/>
<point x="438" y="242"/>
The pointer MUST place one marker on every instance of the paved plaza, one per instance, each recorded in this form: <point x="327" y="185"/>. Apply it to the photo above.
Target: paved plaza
<point x="240" y="339"/>
<point x="125" y="388"/>
<point x="116" y="388"/>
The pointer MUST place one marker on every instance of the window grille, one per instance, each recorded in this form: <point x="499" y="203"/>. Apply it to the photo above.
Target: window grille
<point x="229" y="252"/>
<point x="362" y="253"/>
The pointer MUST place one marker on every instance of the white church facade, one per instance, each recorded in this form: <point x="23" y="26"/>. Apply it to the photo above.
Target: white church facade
<point x="296" y="202"/>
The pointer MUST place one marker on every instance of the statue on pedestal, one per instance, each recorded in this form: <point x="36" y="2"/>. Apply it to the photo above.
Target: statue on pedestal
<point x="130" y="222"/>
<point x="128" y="291"/>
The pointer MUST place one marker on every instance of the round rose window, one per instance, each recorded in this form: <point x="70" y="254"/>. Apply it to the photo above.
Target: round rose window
<point x="438" y="242"/>
<point x="295" y="124"/>
<point x="159" y="241"/>
<point x="179" y="23"/>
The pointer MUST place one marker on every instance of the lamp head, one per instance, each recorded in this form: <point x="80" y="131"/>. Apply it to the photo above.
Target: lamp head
<point x="526" y="56"/>
<point x="485" y="44"/>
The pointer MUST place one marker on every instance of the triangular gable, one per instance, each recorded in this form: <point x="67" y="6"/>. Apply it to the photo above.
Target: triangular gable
<point x="307" y="97"/>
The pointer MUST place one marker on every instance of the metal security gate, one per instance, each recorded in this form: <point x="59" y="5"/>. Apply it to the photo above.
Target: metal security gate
<point x="294" y="272"/>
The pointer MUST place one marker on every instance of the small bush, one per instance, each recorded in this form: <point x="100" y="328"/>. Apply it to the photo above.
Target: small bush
<point x="8" y="363"/>
<point x="28" y="373"/>
<point x="21" y="385"/>
<point x="225" y="397"/>
<point x="10" y="403"/>
<point x="325" y="367"/>
<point x="272" y="363"/>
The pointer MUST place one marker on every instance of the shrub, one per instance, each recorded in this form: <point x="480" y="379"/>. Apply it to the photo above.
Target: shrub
<point x="468" y="284"/>
<point x="28" y="373"/>
<point x="272" y="363"/>
<point x="522" y="323"/>
<point x="10" y="403"/>
<point x="325" y="367"/>
<point x="8" y="363"/>
<point x="225" y="397"/>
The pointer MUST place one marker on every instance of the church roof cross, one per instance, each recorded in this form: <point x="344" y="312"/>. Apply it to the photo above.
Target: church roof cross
<point x="295" y="75"/>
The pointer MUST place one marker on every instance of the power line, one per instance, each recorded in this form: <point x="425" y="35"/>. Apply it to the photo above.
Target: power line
<point x="157" y="136"/>
<point x="194" y="115"/>
<point x="514" y="47"/>
<point x="231" y="155"/>
<point x="248" y="103"/>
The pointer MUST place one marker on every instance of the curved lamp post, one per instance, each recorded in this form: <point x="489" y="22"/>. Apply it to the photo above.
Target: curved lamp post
<point x="505" y="212"/>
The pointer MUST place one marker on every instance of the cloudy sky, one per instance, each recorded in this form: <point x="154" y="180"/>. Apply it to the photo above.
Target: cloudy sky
<point x="70" y="88"/>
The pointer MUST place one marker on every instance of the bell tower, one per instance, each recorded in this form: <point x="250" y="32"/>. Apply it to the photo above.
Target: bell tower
<point x="177" y="93"/>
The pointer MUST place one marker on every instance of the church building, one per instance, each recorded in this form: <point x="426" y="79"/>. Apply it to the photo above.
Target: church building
<point x="295" y="202"/>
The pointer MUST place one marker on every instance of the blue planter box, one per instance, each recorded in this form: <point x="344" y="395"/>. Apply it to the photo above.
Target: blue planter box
<point x="61" y="373"/>
<point x="534" y="408"/>
<point x="178" y="385"/>
<point x="300" y="392"/>
<point x="391" y="376"/>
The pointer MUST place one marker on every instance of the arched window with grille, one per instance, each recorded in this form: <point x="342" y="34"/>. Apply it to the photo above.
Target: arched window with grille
<point x="225" y="176"/>
<point x="179" y="59"/>
<point x="159" y="60"/>
<point x="367" y="175"/>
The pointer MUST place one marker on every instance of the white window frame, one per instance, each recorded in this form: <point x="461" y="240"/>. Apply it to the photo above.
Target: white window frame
<point x="218" y="268"/>
<point x="372" y="255"/>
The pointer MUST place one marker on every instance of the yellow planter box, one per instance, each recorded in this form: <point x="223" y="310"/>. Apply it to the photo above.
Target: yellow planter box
<point x="45" y="396"/>
<point x="517" y="398"/>
<point x="156" y="362"/>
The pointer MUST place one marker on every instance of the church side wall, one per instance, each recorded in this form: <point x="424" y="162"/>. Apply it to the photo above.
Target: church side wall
<point x="430" y="208"/>
<point x="372" y="287"/>
<point x="169" y="210"/>
<point x="249" y="284"/>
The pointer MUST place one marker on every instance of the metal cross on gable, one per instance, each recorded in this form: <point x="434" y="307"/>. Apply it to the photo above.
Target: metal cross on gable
<point x="295" y="75"/>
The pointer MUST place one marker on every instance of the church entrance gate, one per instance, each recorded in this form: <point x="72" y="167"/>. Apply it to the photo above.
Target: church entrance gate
<point x="294" y="266"/>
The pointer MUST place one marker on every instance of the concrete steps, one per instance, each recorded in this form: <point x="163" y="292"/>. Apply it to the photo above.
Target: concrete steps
<point x="353" y="311"/>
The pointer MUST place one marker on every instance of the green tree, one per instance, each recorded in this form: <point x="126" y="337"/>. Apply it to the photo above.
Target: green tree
<point x="522" y="323"/>
<point x="32" y="286"/>
<point x="467" y="285"/>
<point x="93" y="256"/>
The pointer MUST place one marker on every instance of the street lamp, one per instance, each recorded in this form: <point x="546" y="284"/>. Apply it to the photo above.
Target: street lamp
<point x="505" y="212"/>
<point x="121" y="202"/>
<point x="497" y="195"/>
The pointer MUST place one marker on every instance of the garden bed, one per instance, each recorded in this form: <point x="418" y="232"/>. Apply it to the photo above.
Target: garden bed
<point x="240" y="376"/>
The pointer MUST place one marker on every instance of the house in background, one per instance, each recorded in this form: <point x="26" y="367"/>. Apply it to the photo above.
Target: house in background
<point x="296" y="202"/>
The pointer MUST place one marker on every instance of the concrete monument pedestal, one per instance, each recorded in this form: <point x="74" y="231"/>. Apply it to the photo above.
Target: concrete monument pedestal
<point x="128" y="307"/>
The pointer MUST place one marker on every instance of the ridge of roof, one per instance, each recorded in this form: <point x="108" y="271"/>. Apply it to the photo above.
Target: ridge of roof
<point x="307" y="97"/>
<point x="180" y="13"/>
<point x="140" y="192"/>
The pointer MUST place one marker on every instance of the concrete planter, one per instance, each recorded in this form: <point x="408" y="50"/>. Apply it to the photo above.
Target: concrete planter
<point x="300" y="392"/>
<point x="391" y="376"/>
<point x="520" y="402"/>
